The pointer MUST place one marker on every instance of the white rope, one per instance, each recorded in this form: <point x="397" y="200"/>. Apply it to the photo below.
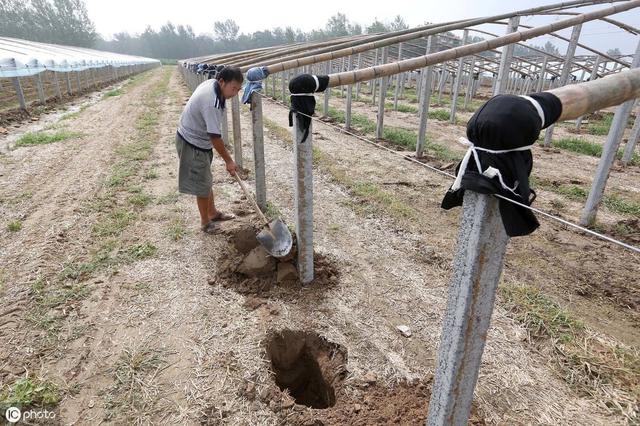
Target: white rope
<point x="442" y="172"/>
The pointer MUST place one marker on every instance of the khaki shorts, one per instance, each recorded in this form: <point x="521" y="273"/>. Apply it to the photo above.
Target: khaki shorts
<point x="194" y="174"/>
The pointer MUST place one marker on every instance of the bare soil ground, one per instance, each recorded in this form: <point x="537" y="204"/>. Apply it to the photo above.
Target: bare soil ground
<point x="118" y="310"/>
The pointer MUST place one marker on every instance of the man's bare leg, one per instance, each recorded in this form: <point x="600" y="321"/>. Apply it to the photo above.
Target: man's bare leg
<point x="203" y="207"/>
<point x="213" y="212"/>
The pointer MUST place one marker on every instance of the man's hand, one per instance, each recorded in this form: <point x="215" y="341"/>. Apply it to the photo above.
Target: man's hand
<point x="232" y="168"/>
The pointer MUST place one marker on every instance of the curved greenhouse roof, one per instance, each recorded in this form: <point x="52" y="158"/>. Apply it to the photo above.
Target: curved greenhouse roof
<point x="20" y="58"/>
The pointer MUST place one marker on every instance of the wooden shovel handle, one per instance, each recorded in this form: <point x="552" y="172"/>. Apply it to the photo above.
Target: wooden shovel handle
<point x="250" y="197"/>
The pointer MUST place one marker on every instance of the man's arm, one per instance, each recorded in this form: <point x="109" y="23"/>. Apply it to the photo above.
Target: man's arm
<point x="218" y="144"/>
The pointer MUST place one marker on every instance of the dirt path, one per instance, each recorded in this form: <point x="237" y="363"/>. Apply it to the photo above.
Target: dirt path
<point x="123" y="312"/>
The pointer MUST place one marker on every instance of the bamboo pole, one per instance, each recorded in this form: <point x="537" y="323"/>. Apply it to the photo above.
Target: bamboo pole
<point x="469" y="49"/>
<point x="360" y="46"/>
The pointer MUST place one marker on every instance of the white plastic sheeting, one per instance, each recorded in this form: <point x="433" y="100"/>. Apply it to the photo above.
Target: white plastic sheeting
<point x="19" y="58"/>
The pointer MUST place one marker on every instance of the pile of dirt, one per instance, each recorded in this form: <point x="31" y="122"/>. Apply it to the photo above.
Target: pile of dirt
<point x="12" y="116"/>
<point x="249" y="269"/>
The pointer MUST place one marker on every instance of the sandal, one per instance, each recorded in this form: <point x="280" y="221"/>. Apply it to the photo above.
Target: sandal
<point x="221" y="217"/>
<point x="211" y="228"/>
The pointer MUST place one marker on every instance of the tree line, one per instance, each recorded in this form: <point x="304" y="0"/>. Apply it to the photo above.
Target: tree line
<point x="67" y="22"/>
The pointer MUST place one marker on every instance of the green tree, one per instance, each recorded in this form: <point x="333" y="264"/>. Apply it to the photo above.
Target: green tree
<point x="398" y="24"/>
<point x="337" y="25"/>
<point x="377" y="27"/>
<point x="49" y="21"/>
<point x="226" y="30"/>
<point x="614" y="52"/>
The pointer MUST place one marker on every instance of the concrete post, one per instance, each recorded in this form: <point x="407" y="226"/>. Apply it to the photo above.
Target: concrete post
<point x="347" y="112"/>
<point x="68" y="81"/>
<point x="273" y="86"/>
<point x="374" y="81"/>
<point x="456" y="86"/>
<point x="237" y="137"/>
<point x="56" y="83"/>
<point x="40" y="88"/>
<point x="609" y="152"/>
<point x="19" y="92"/>
<point x="225" y="128"/>
<point x="543" y="72"/>
<point x="505" y="59"/>
<point x="398" y="80"/>
<point x="592" y="76"/>
<point x="566" y="71"/>
<point x="358" y="83"/>
<point x="477" y="266"/>
<point x="425" y="95"/>
<point x="381" y="101"/>
<point x="343" y="69"/>
<point x="258" y="149"/>
<point x="327" y="92"/>
<point x="303" y="194"/>
<point x="444" y="75"/>
<point x="632" y="141"/>
<point x="469" y="91"/>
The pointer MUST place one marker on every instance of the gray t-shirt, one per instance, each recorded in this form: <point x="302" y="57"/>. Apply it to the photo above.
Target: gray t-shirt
<point x="200" y="117"/>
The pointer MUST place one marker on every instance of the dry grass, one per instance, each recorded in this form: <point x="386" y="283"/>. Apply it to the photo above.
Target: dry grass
<point x="598" y="367"/>
<point x="369" y="198"/>
<point x="134" y="396"/>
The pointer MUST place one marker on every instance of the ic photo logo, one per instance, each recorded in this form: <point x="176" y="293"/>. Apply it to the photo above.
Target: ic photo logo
<point x="13" y="414"/>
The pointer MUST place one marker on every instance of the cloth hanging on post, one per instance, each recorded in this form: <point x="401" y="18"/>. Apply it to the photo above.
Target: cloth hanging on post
<point x="500" y="135"/>
<point x="302" y="88"/>
<point x="255" y="76"/>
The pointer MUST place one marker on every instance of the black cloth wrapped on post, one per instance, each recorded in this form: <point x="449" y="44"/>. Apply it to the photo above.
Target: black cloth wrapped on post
<point x="500" y="135"/>
<point x="302" y="88"/>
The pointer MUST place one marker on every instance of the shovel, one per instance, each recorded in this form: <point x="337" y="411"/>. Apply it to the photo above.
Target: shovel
<point x="275" y="238"/>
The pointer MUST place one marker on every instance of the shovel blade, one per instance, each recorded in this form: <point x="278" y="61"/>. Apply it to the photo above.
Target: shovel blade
<point x="277" y="240"/>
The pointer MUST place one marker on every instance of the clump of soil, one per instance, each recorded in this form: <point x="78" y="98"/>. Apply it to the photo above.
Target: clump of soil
<point x="307" y="366"/>
<point x="249" y="269"/>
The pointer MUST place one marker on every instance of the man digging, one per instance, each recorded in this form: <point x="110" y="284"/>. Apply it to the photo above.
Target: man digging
<point x="199" y="131"/>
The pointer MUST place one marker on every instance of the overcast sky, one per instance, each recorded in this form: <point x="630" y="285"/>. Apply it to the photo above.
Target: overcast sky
<point x="134" y="16"/>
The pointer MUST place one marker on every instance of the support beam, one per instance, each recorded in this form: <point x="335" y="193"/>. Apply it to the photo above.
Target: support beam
<point x="237" y="137"/>
<point x="469" y="91"/>
<point x="592" y="76"/>
<point x="425" y="94"/>
<point x="381" y="100"/>
<point x="398" y="81"/>
<point x="566" y="72"/>
<point x="19" y="92"/>
<point x="358" y="83"/>
<point x="327" y="92"/>
<point x="609" y="152"/>
<point x="258" y="150"/>
<point x="303" y="194"/>
<point x="477" y="266"/>
<point x="456" y="86"/>
<point x="40" y="88"/>
<point x="347" y="112"/>
<point x="632" y="141"/>
<point x="68" y="81"/>
<point x="505" y="59"/>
